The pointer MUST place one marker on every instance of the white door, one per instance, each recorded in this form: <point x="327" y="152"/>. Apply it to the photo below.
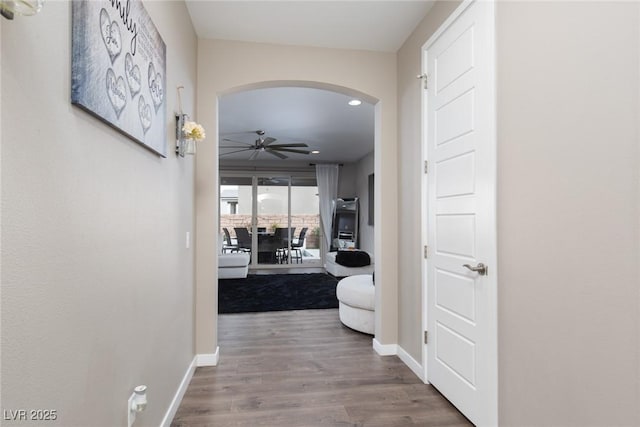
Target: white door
<point x="461" y="305"/>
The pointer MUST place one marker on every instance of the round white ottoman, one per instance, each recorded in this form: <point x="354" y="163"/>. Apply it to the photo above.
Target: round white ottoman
<point x="356" y="296"/>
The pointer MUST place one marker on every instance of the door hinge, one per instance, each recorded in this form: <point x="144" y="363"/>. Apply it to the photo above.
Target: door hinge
<point x="426" y="251"/>
<point x="426" y="336"/>
<point x="424" y="78"/>
<point x="426" y="166"/>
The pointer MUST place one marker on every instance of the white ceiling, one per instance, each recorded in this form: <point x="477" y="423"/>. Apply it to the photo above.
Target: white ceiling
<point x="369" y="25"/>
<point x="322" y="119"/>
<point x="319" y="118"/>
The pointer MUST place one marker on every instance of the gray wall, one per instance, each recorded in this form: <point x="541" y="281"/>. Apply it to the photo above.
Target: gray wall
<point x="568" y="202"/>
<point x="347" y="180"/>
<point x="97" y="286"/>
<point x="568" y="209"/>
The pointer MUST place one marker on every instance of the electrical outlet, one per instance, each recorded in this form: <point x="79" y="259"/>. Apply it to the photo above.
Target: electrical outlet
<point x="131" y="415"/>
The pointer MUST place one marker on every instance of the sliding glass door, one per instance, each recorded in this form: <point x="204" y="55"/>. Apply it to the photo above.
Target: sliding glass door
<point x="275" y="217"/>
<point x="236" y="211"/>
<point x="305" y="217"/>
<point x="272" y="219"/>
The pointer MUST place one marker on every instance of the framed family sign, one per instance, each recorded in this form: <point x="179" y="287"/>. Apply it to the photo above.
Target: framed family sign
<point x="118" y="69"/>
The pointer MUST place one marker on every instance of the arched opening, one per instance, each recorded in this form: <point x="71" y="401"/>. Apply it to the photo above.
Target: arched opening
<point x="374" y="239"/>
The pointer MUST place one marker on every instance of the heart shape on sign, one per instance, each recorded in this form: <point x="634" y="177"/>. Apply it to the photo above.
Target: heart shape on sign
<point x="144" y="111"/>
<point x="132" y="73"/>
<point x="155" y="86"/>
<point x="110" y="35"/>
<point x="116" y="91"/>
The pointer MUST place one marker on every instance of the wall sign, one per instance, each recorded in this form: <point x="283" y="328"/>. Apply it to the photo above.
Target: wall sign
<point x="118" y="70"/>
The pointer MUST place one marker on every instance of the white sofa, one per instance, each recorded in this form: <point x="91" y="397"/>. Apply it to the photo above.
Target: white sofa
<point x="356" y="296"/>
<point x="234" y="265"/>
<point x="338" y="270"/>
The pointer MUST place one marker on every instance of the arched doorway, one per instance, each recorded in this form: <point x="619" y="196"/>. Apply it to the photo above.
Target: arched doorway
<point x="270" y="140"/>
<point x="384" y="239"/>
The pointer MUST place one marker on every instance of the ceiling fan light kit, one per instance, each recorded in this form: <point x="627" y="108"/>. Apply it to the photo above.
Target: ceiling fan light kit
<point x="263" y="145"/>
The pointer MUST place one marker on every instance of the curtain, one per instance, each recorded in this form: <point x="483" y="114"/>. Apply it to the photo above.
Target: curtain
<point x="327" y="178"/>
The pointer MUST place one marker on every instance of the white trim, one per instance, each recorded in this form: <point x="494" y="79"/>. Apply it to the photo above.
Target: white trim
<point x="412" y="364"/>
<point x="385" y="349"/>
<point x="210" y="359"/>
<point x="177" y="398"/>
<point x="446" y="24"/>
<point x="423" y="214"/>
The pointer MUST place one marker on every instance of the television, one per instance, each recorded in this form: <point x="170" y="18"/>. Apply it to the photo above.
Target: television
<point x="346" y="222"/>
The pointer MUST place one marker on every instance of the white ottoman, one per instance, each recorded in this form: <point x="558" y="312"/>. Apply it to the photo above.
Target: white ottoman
<point x="233" y="266"/>
<point x="356" y="296"/>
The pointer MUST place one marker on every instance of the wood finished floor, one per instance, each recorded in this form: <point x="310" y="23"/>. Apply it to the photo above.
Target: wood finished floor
<point x="304" y="368"/>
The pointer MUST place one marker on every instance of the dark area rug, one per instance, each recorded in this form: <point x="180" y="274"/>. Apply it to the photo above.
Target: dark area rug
<point x="277" y="292"/>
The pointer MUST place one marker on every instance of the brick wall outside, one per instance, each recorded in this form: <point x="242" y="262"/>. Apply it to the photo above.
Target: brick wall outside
<point x="297" y="221"/>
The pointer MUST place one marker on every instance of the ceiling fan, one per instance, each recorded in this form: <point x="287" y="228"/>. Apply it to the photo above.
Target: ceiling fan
<point x="261" y="145"/>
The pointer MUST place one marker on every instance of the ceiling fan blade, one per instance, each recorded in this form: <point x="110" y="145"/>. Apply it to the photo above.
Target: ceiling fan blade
<point x="289" y="150"/>
<point x="242" y="132"/>
<point x="235" y="146"/>
<point x="238" y="142"/>
<point x="275" y="153"/>
<point x="254" y="155"/>
<point x="236" y="151"/>
<point x="268" y="140"/>
<point x="297" y="144"/>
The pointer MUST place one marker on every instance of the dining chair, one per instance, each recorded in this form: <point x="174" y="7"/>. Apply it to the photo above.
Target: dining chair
<point x="228" y="245"/>
<point x="244" y="239"/>
<point x="281" y="235"/>
<point x="297" y="246"/>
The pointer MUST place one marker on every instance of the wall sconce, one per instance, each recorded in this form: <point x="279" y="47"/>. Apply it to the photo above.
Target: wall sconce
<point x="8" y="8"/>
<point x="184" y="143"/>
<point x="181" y="143"/>
<point x="187" y="132"/>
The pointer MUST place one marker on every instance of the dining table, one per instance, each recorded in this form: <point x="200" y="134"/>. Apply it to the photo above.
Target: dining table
<point x="269" y="248"/>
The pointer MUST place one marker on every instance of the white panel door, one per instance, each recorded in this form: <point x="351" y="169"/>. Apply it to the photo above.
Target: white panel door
<point x="461" y="305"/>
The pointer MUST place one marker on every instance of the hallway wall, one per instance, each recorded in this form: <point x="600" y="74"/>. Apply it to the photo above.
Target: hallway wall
<point x="568" y="204"/>
<point x="97" y="286"/>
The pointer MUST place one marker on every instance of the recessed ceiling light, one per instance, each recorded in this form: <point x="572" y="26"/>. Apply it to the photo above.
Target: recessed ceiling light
<point x="355" y="102"/>
<point x="315" y="152"/>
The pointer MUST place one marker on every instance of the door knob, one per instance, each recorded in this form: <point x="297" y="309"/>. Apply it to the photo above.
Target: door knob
<point x="481" y="269"/>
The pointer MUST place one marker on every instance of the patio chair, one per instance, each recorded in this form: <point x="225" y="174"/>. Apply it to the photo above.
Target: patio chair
<point x="281" y="235"/>
<point x="297" y="247"/>
<point x="228" y="244"/>
<point x="244" y="239"/>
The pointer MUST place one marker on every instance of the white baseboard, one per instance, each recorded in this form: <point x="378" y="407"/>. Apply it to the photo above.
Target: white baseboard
<point x="177" y="398"/>
<point x="385" y="349"/>
<point x="411" y="363"/>
<point x="210" y="359"/>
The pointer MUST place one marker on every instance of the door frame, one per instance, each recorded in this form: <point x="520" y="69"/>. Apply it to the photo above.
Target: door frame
<point x="492" y="259"/>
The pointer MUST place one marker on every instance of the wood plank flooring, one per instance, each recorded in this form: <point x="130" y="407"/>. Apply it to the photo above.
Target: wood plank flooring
<point x="304" y="368"/>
